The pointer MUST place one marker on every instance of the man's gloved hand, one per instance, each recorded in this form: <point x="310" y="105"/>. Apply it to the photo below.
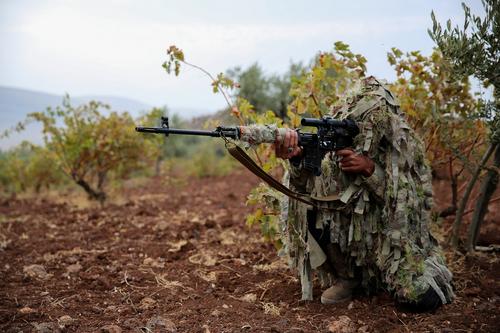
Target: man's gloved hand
<point x="355" y="163"/>
<point x="288" y="147"/>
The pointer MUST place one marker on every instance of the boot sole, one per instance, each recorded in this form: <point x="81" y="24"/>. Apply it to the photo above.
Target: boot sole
<point x="327" y="301"/>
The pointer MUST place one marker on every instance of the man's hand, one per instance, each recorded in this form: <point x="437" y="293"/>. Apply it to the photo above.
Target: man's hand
<point x="288" y="147"/>
<point x="355" y="163"/>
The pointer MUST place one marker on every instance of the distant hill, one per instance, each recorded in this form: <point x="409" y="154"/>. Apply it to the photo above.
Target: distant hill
<point x="16" y="103"/>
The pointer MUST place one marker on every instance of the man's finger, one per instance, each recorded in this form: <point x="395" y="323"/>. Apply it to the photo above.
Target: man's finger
<point x="345" y="152"/>
<point x="286" y="144"/>
<point x="351" y="169"/>
<point x="349" y="158"/>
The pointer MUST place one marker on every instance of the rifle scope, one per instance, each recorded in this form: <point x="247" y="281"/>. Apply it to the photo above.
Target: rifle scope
<point x="330" y="123"/>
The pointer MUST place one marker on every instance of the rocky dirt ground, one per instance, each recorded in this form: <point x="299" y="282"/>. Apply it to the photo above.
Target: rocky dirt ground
<point x="181" y="259"/>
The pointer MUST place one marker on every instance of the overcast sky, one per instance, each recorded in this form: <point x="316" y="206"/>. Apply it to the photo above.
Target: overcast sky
<point x="116" y="47"/>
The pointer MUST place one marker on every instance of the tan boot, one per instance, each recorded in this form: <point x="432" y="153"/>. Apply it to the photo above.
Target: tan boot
<point x="341" y="291"/>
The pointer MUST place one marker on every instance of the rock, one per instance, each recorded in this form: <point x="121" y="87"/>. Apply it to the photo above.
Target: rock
<point x="157" y="263"/>
<point x="26" y="310"/>
<point x="65" y="321"/>
<point x="162" y="225"/>
<point x="343" y="325"/>
<point x="177" y="246"/>
<point x="160" y="324"/>
<point x="111" y="329"/>
<point x="37" y="272"/>
<point x="111" y="308"/>
<point x="251" y="298"/>
<point x="46" y="328"/>
<point x="147" y="303"/>
<point x="216" y="313"/>
<point x="75" y="268"/>
<point x="364" y="329"/>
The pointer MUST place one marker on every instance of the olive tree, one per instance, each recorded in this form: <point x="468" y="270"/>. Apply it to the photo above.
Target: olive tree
<point x="474" y="50"/>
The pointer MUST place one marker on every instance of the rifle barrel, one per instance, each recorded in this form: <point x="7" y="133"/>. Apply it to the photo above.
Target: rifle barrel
<point x="177" y="131"/>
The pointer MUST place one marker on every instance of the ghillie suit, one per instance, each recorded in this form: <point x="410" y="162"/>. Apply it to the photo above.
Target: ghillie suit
<point x="370" y="228"/>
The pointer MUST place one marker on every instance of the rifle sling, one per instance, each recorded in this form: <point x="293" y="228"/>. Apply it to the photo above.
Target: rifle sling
<point x="244" y="159"/>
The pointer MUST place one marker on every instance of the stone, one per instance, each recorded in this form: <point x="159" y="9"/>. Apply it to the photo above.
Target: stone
<point x="37" y="272"/>
<point x="343" y="324"/>
<point x="147" y="303"/>
<point x="216" y="313"/>
<point x="364" y="329"/>
<point x="250" y="298"/>
<point x="26" y="310"/>
<point x="160" y="324"/>
<point x="74" y="268"/>
<point x="46" y="328"/>
<point x="65" y="321"/>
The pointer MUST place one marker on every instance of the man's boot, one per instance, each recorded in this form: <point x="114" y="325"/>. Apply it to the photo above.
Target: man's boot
<point x="341" y="291"/>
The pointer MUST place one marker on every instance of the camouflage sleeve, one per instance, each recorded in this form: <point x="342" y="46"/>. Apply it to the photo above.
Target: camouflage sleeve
<point x="257" y="134"/>
<point x="376" y="182"/>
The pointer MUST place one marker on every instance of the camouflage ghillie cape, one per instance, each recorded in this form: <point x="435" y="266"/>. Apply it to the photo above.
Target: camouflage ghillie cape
<point x="377" y="226"/>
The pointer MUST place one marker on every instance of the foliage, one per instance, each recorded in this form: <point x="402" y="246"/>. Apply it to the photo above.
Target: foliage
<point x="265" y="93"/>
<point x="90" y="147"/>
<point x="332" y="79"/>
<point x="441" y="109"/>
<point x="27" y="166"/>
<point x="267" y="214"/>
<point x="476" y="52"/>
<point x="209" y="159"/>
<point x="13" y="169"/>
<point x="314" y="92"/>
<point x="165" y="147"/>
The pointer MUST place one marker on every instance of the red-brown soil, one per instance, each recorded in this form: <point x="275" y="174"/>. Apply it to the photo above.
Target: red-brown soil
<point x="181" y="259"/>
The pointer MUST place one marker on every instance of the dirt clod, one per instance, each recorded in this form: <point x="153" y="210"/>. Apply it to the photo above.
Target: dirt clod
<point x="26" y="310"/>
<point x="364" y="329"/>
<point x="160" y="324"/>
<point x="46" y="328"/>
<point x="37" y="272"/>
<point x="65" y="321"/>
<point x="75" y="268"/>
<point x="343" y="324"/>
<point x="147" y="303"/>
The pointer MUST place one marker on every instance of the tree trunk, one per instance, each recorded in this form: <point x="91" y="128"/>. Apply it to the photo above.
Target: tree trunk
<point x="158" y="166"/>
<point x="488" y="187"/>
<point x="93" y="194"/>
<point x="454" y="193"/>
<point x="465" y="198"/>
